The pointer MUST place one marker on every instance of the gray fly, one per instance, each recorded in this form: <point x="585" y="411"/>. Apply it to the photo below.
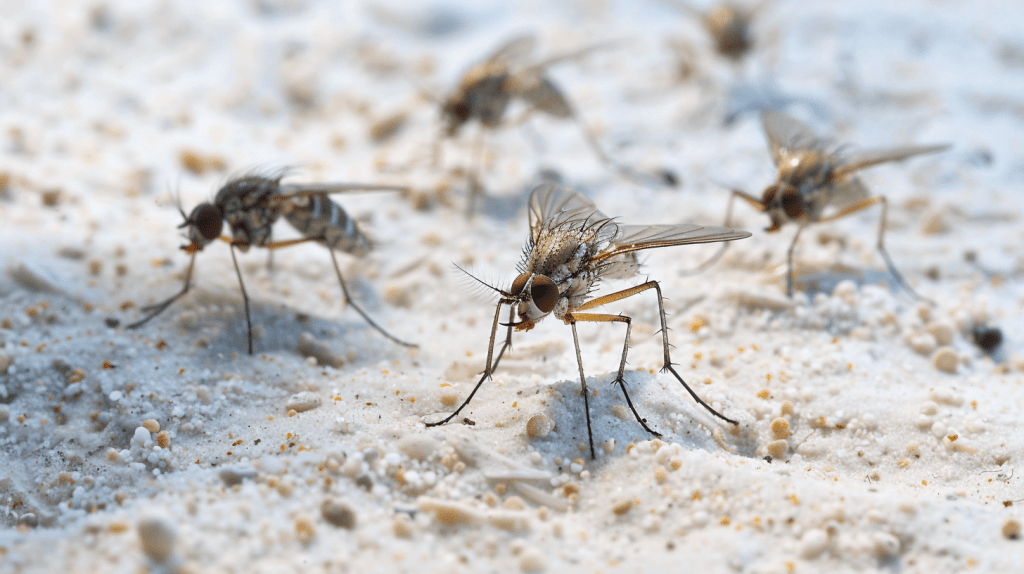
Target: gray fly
<point x="571" y="248"/>
<point x="487" y="89"/>
<point x="816" y="183"/>
<point x="250" y="205"/>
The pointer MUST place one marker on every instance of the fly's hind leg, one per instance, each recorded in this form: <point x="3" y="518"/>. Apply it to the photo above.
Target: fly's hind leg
<point x="612" y="297"/>
<point x="245" y="299"/>
<point x="349" y="301"/>
<point x="154" y="310"/>
<point x="586" y="394"/>
<point x="789" y="262"/>
<point x="864" y="204"/>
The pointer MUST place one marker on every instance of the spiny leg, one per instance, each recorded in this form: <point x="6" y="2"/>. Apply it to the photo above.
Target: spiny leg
<point x="864" y="204"/>
<point x="612" y="297"/>
<point x="750" y="199"/>
<point x="155" y="310"/>
<point x="490" y="368"/>
<point x="245" y="297"/>
<point x="620" y="379"/>
<point x="349" y="301"/>
<point x="789" y="262"/>
<point x="586" y="395"/>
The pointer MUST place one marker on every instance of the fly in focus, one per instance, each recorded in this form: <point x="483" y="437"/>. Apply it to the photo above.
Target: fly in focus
<point x="816" y="184"/>
<point x="572" y="247"/>
<point x="250" y="205"/>
<point x="487" y="89"/>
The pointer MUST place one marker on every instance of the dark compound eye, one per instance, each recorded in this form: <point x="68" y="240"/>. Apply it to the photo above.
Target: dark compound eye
<point x="544" y="293"/>
<point x="207" y="219"/>
<point x="791" y="203"/>
<point x="519" y="283"/>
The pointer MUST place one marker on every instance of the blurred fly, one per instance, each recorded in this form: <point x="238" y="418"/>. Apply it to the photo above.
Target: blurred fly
<point x="487" y="89"/>
<point x="250" y="205"/>
<point x="571" y="248"/>
<point x="816" y="184"/>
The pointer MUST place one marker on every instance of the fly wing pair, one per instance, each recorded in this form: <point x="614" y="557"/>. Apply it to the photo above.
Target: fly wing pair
<point x="787" y="135"/>
<point x="552" y="206"/>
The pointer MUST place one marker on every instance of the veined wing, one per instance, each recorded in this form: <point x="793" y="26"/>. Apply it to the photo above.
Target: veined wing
<point x="552" y="205"/>
<point x="846" y="192"/>
<point x="514" y="51"/>
<point x="786" y="134"/>
<point x="308" y="189"/>
<point x="859" y="160"/>
<point x="638" y="237"/>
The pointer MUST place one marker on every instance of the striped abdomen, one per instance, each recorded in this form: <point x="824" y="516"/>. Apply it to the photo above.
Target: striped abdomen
<point x="316" y="216"/>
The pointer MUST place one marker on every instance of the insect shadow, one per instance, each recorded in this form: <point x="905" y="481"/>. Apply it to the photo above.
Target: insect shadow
<point x="816" y="183"/>
<point x="573" y="246"/>
<point x="250" y="205"/>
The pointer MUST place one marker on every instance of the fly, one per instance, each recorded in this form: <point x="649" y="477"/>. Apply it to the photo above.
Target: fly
<point x="815" y="185"/>
<point x="250" y="205"/>
<point x="571" y="248"/>
<point x="487" y="89"/>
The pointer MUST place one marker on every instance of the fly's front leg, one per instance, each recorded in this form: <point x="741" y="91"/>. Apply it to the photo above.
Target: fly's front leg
<point x="620" y="379"/>
<point x="586" y="394"/>
<point x="245" y="298"/>
<point x="155" y="310"/>
<point x="490" y="368"/>
<point x="789" y="262"/>
<point x="611" y="297"/>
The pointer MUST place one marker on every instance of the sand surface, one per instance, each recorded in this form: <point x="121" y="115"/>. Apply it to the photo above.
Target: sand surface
<point x="874" y="434"/>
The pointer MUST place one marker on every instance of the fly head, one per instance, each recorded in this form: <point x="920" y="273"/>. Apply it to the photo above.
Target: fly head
<point x="204" y="225"/>
<point x="536" y="295"/>
<point x="783" y="203"/>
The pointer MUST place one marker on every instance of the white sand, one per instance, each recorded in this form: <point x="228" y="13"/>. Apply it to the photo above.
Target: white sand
<point x="890" y="464"/>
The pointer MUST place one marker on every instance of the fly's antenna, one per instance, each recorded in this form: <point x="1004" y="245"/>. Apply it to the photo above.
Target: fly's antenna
<point x="481" y="282"/>
<point x="176" y="197"/>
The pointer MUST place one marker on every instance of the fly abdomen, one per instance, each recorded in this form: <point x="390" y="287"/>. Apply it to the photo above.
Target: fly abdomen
<point x="316" y="216"/>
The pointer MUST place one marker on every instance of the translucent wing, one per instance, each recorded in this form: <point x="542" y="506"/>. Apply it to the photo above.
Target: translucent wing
<point x="846" y="193"/>
<point x="637" y="237"/>
<point x="585" y="51"/>
<point x="860" y="160"/>
<point x="307" y="189"/>
<point x="552" y="205"/>
<point x="514" y="51"/>
<point x="786" y="134"/>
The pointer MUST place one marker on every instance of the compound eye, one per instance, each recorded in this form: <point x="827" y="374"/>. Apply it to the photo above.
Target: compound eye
<point x="519" y="283"/>
<point x="792" y="204"/>
<point x="544" y="293"/>
<point x="208" y="220"/>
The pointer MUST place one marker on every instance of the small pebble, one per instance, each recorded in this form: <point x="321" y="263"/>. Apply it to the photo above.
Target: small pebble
<point x="5" y="363"/>
<point x="531" y="561"/>
<point x="886" y="546"/>
<point x="922" y="343"/>
<point x="28" y="520"/>
<point x="157" y="537"/>
<point x="1011" y="529"/>
<point x="304" y="530"/>
<point x="780" y="428"/>
<point x="163" y="439"/>
<point x="778" y="448"/>
<point x="943" y="331"/>
<point x="987" y="339"/>
<point x="623" y="507"/>
<point x="338" y="514"/>
<point x="945" y="360"/>
<point x="302" y="402"/>
<point x="813" y="543"/>
<point x="401" y="524"/>
<point x="309" y="346"/>
<point x="539" y="426"/>
<point x="233" y="476"/>
<point x="151" y="425"/>
<point x="418" y="446"/>
<point x="787" y="408"/>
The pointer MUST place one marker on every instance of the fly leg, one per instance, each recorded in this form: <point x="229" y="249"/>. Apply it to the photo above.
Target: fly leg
<point x="476" y="160"/>
<point x="586" y="395"/>
<point x="155" y="310"/>
<point x="349" y="301"/>
<point x="864" y="204"/>
<point x="789" y="262"/>
<point x="620" y="378"/>
<point x="750" y="199"/>
<point x="245" y="297"/>
<point x="612" y="297"/>
<point x="490" y="353"/>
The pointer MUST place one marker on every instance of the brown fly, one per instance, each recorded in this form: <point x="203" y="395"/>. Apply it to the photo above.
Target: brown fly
<point x="816" y="183"/>
<point x="487" y="89"/>
<point x="250" y="205"/>
<point x="729" y="26"/>
<point x="571" y="248"/>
